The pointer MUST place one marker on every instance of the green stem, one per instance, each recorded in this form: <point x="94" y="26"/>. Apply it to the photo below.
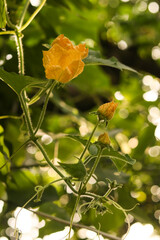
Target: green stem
<point x="32" y="16"/>
<point x="37" y="143"/>
<point x="42" y="91"/>
<point x="23" y="95"/>
<point x="44" y="107"/>
<point x="7" y="32"/>
<point x="85" y="149"/>
<point x="73" y="213"/>
<point x="23" y="13"/>
<point x="108" y="192"/>
<point x="9" y="23"/>
<point x="26" y="113"/>
<point x="20" y="52"/>
<point x="76" y="225"/>
<point x="89" y="140"/>
<point x="19" y="149"/>
<point x="93" y="168"/>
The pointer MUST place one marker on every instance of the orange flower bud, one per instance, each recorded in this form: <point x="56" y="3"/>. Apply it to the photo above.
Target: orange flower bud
<point x="106" y="111"/>
<point x="63" y="61"/>
<point x="104" y="138"/>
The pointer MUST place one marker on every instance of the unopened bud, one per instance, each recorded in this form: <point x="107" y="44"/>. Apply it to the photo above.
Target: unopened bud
<point x="104" y="138"/>
<point x="106" y="111"/>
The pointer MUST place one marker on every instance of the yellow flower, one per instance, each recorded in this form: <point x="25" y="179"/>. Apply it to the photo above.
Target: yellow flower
<point x="104" y="138"/>
<point x="106" y="111"/>
<point x="63" y="61"/>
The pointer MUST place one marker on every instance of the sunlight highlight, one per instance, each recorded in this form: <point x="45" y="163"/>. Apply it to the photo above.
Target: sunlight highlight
<point x="154" y="151"/>
<point x="155" y="53"/>
<point x="142" y="6"/>
<point x="139" y="231"/>
<point x="61" y="235"/>
<point x="150" y="96"/>
<point x="122" y="45"/>
<point x="118" y="95"/>
<point x="153" y="7"/>
<point x="157" y="132"/>
<point x="9" y="56"/>
<point x="35" y="3"/>
<point x="1" y="205"/>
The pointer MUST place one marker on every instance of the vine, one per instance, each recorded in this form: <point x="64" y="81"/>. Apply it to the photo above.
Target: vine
<point x="104" y="115"/>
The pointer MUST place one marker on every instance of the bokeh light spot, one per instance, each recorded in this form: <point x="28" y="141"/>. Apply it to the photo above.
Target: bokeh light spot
<point x="118" y="95"/>
<point x="153" y="7"/>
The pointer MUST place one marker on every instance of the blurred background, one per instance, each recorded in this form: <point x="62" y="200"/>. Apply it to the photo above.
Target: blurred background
<point x="130" y="31"/>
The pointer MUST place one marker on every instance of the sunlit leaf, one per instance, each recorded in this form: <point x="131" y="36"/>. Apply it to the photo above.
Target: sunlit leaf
<point x="115" y="155"/>
<point x="95" y="59"/>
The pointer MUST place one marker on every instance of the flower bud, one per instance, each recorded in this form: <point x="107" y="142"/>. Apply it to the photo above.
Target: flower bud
<point x="104" y="139"/>
<point x="106" y="111"/>
<point x="63" y="61"/>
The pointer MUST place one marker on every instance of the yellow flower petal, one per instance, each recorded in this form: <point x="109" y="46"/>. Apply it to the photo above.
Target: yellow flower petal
<point x="63" y="61"/>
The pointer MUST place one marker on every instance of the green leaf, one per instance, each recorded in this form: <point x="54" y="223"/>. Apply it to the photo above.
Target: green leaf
<point x="2" y="15"/>
<point x="22" y="183"/>
<point x="19" y="82"/>
<point x="76" y="170"/>
<point x="94" y="59"/>
<point x="115" y="155"/>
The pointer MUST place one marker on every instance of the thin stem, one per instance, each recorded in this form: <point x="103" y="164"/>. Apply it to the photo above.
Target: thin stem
<point x="77" y="225"/>
<point x="9" y="23"/>
<point x="93" y="168"/>
<point x="27" y="141"/>
<point x="89" y="140"/>
<point x="44" y="107"/>
<point x="23" y="96"/>
<point x="88" y="159"/>
<point x="73" y="213"/>
<point x="29" y="166"/>
<point x="26" y="113"/>
<point x="23" y="13"/>
<point x="20" y="52"/>
<point x="108" y="192"/>
<point x="37" y="143"/>
<point x="37" y="96"/>
<point x="7" y="32"/>
<point x="32" y="16"/>
<point x="10" y="116"/>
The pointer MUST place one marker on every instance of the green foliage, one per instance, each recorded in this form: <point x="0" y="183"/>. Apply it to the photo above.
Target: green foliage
<point x="94" y="59"/>
<point x="115" y="155"/>
<point x="19" y="82"/>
